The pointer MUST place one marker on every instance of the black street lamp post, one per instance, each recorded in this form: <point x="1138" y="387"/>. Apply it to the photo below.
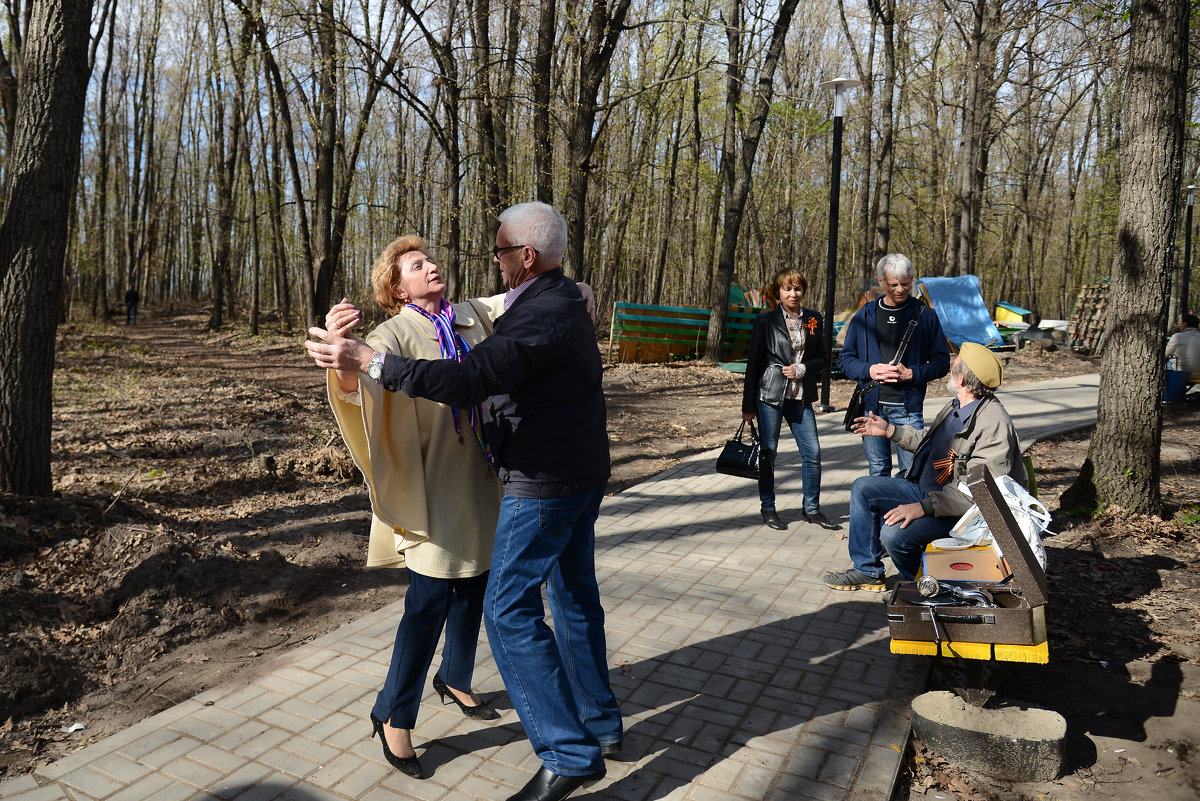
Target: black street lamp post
<point x="839" y="85"/>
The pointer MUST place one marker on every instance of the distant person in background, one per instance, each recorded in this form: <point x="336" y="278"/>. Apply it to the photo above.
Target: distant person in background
<point x="787" y="354"/>
<point x="873" y="337"/>
<point x="131" y="303"/>
<point x="1185" y="346"/>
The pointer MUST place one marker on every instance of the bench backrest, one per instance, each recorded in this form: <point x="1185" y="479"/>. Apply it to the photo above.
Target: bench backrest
<point x="645" y="333"/>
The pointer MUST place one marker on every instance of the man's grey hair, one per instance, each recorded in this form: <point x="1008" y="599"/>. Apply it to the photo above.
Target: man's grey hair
<point x="538" y="225"/>
<point x="896" y="265"/>
<point x="970" y="380"/>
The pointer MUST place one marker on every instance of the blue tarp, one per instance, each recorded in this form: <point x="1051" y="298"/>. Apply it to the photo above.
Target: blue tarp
<point x="961" y="310"/>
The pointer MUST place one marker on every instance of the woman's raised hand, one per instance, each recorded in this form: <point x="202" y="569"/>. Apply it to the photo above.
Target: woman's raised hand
<point x="342" y="318"/>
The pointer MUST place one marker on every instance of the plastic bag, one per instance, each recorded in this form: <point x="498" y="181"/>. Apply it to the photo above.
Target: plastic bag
<point x="1032" y="517"/>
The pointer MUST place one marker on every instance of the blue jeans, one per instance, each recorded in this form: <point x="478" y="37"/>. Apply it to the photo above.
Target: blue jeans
<point x="879" y="449"/>
<point x="803" y="423"/>
<point x="557" y="678"/>
<point x="870" y="498"/>
<point x="430" y="604"/>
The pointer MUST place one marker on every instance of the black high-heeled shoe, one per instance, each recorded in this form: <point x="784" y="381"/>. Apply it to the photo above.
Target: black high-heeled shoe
<point x="409" y="766"/>
<point x="480" y="712"/>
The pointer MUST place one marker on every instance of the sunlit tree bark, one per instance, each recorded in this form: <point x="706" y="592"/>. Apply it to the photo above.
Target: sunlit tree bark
<point x="43" y="160"/>
<point x="1123" y="460"/>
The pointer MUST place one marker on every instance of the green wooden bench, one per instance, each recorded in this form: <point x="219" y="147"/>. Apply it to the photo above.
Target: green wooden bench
<point x="645" y="333"/>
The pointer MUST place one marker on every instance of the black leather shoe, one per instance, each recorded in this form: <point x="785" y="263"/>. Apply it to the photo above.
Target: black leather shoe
<point x="610" y="750"/>
<point x="821" y="520"/>
<point x="771" y="518"/>
<point x="548" y="786"/>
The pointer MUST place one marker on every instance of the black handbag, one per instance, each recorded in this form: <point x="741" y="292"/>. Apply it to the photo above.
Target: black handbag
<point x="856" y="408"/>
<point x="740" y="456"/>
<point x="858" y="403"/>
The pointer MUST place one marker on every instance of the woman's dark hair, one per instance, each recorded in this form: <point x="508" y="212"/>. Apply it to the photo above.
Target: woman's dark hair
<point x="788" y="276"/>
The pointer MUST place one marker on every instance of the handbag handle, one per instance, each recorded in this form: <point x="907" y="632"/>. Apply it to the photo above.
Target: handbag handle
<point x="742" y="428"/>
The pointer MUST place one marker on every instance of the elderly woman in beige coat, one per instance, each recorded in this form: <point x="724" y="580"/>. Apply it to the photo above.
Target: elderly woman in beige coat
<point x="434" y="496"/>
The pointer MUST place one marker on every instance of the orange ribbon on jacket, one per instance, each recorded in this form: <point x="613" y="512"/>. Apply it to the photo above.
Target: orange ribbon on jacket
<point x="944" y="466"/>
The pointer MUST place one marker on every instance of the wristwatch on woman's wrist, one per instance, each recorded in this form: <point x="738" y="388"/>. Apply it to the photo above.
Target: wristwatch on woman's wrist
<point x="375" y="368"/>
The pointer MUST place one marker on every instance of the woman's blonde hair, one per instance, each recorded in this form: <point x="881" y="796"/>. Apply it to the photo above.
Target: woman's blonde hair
<point x="785" y="277"/>
<point x="385" y="275"/>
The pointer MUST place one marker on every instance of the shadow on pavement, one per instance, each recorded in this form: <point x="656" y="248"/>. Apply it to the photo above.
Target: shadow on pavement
<point x="691" y="708"/>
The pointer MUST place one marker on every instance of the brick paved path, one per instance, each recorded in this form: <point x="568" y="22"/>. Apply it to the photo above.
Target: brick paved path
<point x="740" y="675"/>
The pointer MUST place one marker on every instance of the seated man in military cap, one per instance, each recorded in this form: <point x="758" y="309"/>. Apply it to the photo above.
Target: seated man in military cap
<point x="903" y="514"/>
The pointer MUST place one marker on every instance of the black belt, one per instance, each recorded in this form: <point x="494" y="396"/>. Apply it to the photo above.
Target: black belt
<point x="522" y="487"/>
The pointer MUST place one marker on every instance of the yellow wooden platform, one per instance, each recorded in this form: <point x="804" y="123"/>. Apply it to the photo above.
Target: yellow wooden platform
<point x="1038" y="654"/>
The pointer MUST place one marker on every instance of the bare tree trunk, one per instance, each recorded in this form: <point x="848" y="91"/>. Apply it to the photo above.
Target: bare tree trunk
<point x="881" y="202"/>
<point x="976" y="124"/>
<point x="143" y="148"/>
<point x="595" y="54"/>
<point x="866" y="77"/>
<point x="495" y="199"/>
<point x="283" y="295"/>
<point x="664" y="239"/>
<point x="43" y="165"/>
<point x="447" y="135"/>
<point x="735" y="199"/>
<point x="1123" y="460"/>
<point x="11" y="54"/>
<point x="100" y="294"/>
<point x="379" y="68"/>
<point x="280" y="94"/>
<point x="543" y="60"/>
<point x="255" y="234"/>
<point x="323" y="265"/>
<point x="227" y="139"/>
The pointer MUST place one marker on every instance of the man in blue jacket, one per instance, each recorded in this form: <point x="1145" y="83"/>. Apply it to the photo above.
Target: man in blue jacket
<point x="538" y="377"/>
<point x="873" y="337"/>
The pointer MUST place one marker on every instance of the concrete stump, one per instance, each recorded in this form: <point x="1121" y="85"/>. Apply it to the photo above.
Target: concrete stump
<point x="1019" y="744"/>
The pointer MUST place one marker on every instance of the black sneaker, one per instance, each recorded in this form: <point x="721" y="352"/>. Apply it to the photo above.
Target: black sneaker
<point x="853" y="579"/>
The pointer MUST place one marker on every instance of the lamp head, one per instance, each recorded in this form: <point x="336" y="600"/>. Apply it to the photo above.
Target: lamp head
<point x="839" y="85"/>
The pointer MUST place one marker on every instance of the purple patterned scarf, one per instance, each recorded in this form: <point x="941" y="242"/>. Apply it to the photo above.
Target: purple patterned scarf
<point x="453" y="346"/>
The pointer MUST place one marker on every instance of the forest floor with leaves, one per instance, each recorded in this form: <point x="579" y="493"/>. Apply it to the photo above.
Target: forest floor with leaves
<point x="206" y="517"/>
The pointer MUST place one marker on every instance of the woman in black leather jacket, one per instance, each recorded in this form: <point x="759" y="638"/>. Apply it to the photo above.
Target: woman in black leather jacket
<point x="787" y="355"/>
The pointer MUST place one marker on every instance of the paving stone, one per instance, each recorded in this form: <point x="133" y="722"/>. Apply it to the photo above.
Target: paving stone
<point x="92" y="783"/>
<point x="359" y="782"/>
<point x="177" y="747"/>
<point x="284" y="761"/>
<point x="25" y="788"/>
<point x="269" y="789"/>
<point x="840" y="768"/>
<point x="249" y="775"/>
<point x="155" y="786"/>
<point x="256" y="746"/>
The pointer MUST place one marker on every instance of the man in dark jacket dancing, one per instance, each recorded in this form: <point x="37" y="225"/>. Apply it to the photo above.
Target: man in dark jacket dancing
<point x="538" y="377"/>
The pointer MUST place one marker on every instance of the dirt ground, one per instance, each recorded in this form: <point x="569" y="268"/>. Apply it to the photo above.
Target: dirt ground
<point x="207" y="516"/>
